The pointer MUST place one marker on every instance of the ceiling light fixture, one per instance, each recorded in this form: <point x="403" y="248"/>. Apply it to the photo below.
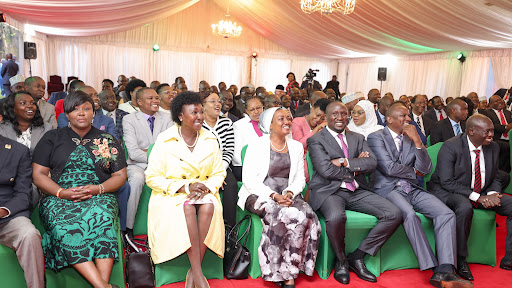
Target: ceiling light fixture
<point x="328" y="6"/>
<point x="226" y="28"/>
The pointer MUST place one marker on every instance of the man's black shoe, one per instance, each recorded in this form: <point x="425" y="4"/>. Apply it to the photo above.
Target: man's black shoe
<point x="341" y="272"/>
<point x="360" y="269"/>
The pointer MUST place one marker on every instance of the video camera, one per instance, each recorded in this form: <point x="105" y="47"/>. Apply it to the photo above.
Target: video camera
<point x="311" y="74"/>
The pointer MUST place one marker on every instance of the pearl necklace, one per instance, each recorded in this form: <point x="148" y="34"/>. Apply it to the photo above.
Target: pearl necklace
<point x="278" y="150"/>
<point x="193" y="145"/>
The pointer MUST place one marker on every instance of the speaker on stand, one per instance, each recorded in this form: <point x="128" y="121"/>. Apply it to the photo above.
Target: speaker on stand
<point x="381" y="76"/>
<point x="30" y="50"/>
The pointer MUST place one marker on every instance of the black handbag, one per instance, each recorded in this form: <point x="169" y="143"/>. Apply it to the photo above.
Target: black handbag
<point x="139" y="266"/>
<point x="237" y="257"/>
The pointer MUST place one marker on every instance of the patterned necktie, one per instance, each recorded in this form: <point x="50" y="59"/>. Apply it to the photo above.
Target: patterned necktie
<point x="419" y="123"/>
<point x="350" y="185"/>
<point x="503" y="122"/>
<point x="457" y="129"/>
<point x="477" y="188"/>
<point x="400" y="146"/>
<point x="151" y="121"/>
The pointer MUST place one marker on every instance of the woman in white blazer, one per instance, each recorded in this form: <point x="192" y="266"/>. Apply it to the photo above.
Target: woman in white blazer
<point x="246" y="131"/>
<point x="273" y="174"/>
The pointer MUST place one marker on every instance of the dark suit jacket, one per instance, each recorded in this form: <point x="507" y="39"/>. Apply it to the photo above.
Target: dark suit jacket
<point x="334" y="85"/>
<point x="15" y="178"/>
<point x="119" y="122"/>
<point x="389" y="168"/>
<point x="498" y="128"/>
<point x="432" y="115"/>
<point x="7" y="130"/>
<point x="9" y="69"/>
<point x="300" y="103"/>
<point x="453" y="170"/>
<point x="56" y="96"/>
<point x="100" y="121"/>
<point x="442" y="130"/>
<point x="232" y="117"/>
<point x="316" y="85"/>
<point x="379" y="120"/>
<point x="427" y="123"/>
<point x="327" y="177"/>
<point x="303" y="110"/>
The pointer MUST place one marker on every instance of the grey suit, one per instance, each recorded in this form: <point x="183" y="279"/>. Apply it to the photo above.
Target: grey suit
<point x="138" y="137"/>
<point x="390" y="170"/>
<point x="327" y="196"/>
<point x="48" y="113"/>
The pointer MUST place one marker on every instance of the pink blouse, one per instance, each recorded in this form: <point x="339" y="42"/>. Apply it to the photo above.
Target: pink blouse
<point x="301" y="131"/>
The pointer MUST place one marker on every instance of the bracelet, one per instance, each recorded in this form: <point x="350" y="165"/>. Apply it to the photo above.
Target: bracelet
<point x="273" y="195"/>
<point x="102" y="189"/>
<point x="58" y="193"/>
<point x="187" y="188"/>
<point x="289" y="192"/>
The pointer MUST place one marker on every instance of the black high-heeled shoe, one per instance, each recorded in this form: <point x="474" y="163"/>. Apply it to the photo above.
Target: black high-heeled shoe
<point x="279" y="283"/>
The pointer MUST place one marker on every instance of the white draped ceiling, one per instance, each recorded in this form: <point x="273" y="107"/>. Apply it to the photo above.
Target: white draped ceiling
<point x="376" y="27"/>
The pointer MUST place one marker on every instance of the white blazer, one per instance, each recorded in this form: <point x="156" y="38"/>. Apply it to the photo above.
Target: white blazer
<point x="244" y="134"/>
<point x="256" y="165"/>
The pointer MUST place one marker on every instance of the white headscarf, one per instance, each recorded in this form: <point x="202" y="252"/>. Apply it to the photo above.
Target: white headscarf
<point x="370" y="124"/>
<point x="266" y="119"/>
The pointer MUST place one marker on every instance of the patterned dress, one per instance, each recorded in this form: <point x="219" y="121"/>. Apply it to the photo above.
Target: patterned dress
<point x="290" y="238"/>
<point x="82" y="231"/>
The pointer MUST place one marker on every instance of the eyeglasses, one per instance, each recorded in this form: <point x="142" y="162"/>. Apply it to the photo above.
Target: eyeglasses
<point x="257" y="108"/>
<point x="213" y="101"/>
<point x="169" y="92"/>
<point x="357" y="113"/>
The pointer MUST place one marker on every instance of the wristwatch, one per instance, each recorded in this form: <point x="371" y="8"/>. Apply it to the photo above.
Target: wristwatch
<point x="342" y="161"/>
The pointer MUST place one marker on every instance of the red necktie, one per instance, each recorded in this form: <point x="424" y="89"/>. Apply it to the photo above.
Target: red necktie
<point x="503" y="122"/>
<point x="441" y="115"/>
<point x="477" y="188"/>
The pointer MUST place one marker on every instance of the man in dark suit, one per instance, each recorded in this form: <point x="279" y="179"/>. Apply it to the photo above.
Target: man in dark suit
<point x="334" y="84"/>
<point x="9" y="69"/>
<point x="109" y="109"/>
<point x="305" y="108"/>
<point x="400" y="158"/>
<point x="438" y="113"/>
<point x="337" y="156"/>
<point x="452" y="125"/>
<point x="459" y="185"/>
<point x="245" y="93"/>
<point x="502" y="120"/>
<point x="374" y="97"/>
<point x="473" y="96"/>
<point x="384" y="104"/>
<point x="16" y="230"/>
<point x="418" y="104"/>
<point x="228" y="108"/>
<point x="295" y="95"/>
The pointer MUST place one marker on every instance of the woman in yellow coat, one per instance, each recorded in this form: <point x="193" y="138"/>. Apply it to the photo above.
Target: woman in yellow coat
<point x="185" y="172"/>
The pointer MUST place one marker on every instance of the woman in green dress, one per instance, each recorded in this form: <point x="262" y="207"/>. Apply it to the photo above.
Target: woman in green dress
<point x="79" y="169"/>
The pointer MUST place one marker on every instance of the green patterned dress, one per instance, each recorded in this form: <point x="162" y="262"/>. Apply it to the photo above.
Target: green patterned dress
<point x="87" y="230"/>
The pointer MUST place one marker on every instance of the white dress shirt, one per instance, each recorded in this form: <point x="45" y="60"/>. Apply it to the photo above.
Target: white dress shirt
<point x="438" y="114"/>
<point x="474" y="196"/>
<point x="499" y="118"/>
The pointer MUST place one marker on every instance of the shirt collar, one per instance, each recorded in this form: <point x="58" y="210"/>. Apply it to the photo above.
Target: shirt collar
<point x="452" y="122"/>
<point x="146" y="115"/>
<point x="472" y="147"/>
<point x="334" y="133"/>
<point x="393" y="134"/>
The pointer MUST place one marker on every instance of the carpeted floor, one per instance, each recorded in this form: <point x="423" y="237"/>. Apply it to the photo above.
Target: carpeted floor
<point x="485" y="276"/>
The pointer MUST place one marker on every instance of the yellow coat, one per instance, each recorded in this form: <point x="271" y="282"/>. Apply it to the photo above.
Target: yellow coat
<point x="171" y="165"/>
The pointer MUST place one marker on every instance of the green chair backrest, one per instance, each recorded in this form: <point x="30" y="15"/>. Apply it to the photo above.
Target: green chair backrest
<point x="432" y="152"/>
<point x="310" y="166"/>
<point x="243" y="153"/>
<point x="428" y="141"/>
<point x="150" y="148"/>
<point x="125" y="150"/>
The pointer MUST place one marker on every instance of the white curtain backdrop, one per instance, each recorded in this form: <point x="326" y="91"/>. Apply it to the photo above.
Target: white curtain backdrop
<point x="502" y="67"/>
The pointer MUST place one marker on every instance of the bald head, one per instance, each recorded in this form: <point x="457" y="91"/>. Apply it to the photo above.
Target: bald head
<point x="384" y="104"/>
<point x="457" y="110"/>
<point x="474" y="98"/>
<point x="316" y="96"/>
<point x="496" y="102"/>
<point x="480" y="130"/>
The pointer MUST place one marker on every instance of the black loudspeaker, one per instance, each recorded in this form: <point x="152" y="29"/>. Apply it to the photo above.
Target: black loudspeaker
<point x="381" y="76"/>
<point x="30" y="50"/>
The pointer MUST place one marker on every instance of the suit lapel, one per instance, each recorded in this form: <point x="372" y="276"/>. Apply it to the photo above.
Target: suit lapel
<point x="466" y="164"/>
<point x="488" y="164"/>
<point x="351" y="144"/>
<point x="390" y="144"/>
<point x="144" y="124"/>
<point x="332" y="142"/>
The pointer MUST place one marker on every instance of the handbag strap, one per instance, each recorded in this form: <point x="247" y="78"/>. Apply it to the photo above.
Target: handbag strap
<point x="133" y="244"/>
<point x="237" y="227"/>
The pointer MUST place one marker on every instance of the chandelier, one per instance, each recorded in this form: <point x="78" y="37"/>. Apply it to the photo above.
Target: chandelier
<point x="226" y="28"/>
<point x="328" y="6"/>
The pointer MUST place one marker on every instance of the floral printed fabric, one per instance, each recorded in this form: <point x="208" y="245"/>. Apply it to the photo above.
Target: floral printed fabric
<point x="87" y="230"/>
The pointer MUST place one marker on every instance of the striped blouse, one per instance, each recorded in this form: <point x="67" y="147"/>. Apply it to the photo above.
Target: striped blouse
<point x="223" y="130"/>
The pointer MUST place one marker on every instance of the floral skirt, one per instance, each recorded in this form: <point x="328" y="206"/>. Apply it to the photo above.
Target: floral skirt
<point x="79" y="232"/>
<point x="290" y="238"/>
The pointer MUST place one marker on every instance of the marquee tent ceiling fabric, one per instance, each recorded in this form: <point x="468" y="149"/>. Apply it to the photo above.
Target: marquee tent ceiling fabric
<point x="399" y="27"/>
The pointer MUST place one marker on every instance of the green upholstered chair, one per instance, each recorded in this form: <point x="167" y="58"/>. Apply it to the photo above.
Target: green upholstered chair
<point x="69" y="277"/>
<point x="509" y="187"/>
<point x="176" y="269"/>
<point x="11" y="272"/>
<point x="428" y="141"/>
<point x="432" y="152"/>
